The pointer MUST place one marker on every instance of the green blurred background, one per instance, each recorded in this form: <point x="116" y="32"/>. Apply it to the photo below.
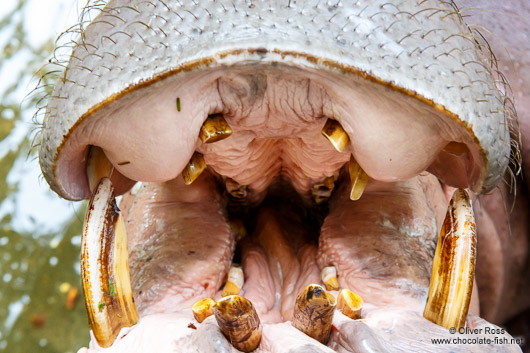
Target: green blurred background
<point x="39" y="233"/>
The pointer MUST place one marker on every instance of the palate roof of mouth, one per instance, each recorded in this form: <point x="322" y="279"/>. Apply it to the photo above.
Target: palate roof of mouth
<point x="276" y="113"/>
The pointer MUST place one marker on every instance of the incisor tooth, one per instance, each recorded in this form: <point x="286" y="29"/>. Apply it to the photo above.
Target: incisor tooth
<point x="350" y="304"/>
<point x="239" y="322"/>
<point x="313" y="312"/>
<point x="194" y="168"/>
<point x="235" y="281"/>
<point x="358" y="179"/>
<point x="98" y="167"/>
<point x="215" y="128"/>
<point x="105" y="267"/>
<point x="329" y="278"/>
<point x="334" y="132"/>
<point x="203" y="309"/>
<point x="453" y="266"/>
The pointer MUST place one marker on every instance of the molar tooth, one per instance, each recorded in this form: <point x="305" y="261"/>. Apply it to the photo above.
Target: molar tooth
<point x="358" y="178"/>
<point x="313" y="312"/>
<point x="203" y="309"/>
<point x="453" y="267"/>
<point x="329" y="278"/>
<point x="350" y="304"/>
<point x="239" y="322"/>
<point x="456" y="148"/>
<point x="105" y="267"/>
<point x="214" y="129"/>
<point x="334" y="132"/>
<point x="235" y="281"/>
<point x="321" y="192"/>
<point x="236" y="190"/>
<point x="194" y="168"/>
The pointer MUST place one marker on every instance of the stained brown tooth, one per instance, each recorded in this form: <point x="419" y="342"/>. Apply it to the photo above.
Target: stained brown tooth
<point x="98" y="167"/>
<point x="214" y="129"/>
<point x="235" y="281"/>
<point x="238" y="228"/>
<point x="329" y="278"/>
<point x="203" y="309"/>
<point x="453" y="267"/>
<point x="105" y="267"/>
<point x="358" y="179"/>
<point x="236" y="190"/>
<point x="239" y="322"/>
<point x="194" y="168"/>
<point x="334" y="132"/>
<point x="321" y="192"/>
<point x="313" y="312"/>
<point x="456" y="148"/>
<point x="350" y="304"/>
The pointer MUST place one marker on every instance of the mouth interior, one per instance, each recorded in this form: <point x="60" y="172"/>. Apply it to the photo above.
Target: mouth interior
<point x="275" y="198"/>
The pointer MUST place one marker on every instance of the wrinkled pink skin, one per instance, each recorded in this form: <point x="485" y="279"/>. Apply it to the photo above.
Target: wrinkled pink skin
<point x="180" y="246"/>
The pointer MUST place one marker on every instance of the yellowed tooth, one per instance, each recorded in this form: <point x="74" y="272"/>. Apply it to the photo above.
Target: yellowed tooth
<point x="313" y="312"/>
<point x="453" y="267"/>
<point x="235" y="281"/>
<point x="358" y="179"/>
<point x="105" y="267"/>
<point x="456" y="148"/>
<point x="98" y="167"/>
<point x="203" y="309"/>
<point x="194" y="168"/>
<point x="329" y="278"/>
<point x="214" y="129"/>
<point x="350" y="304"/>
<point x="321" y="191"/>
<point x="239" y="322"/>
<point x="238" y="228"/>
<point x="334" y="132"/>
<point x="236" y="190"/>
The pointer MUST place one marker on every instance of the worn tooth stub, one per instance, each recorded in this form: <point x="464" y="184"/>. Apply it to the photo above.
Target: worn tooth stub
<point x="194" y="168"/>
<point x="321" y="191"/>
<point x="214" y="129"/>
<point x="234" y="282"/>
<point x="329" y="278"/>
<point x="313" y="312"/>
<point x="334" y="132"/>
<point x="202" y="309"/>
<point x="239" y="322"/>
<point x="453" y="266"/>
<point x="350" y="304"/>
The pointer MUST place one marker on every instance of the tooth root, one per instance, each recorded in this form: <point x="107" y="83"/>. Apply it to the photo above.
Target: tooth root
<point x="329" y="278"/>
<point x="98" y="167"/>
<point x="313" y="312"/>
<point x="350" y="304"/>
<point x="105" y="267"/>
<point x="456" y="148"/>
<point x="194" y="168"/>
<point x="358" y="178"/>
<point x="334" y="132"/>
<point x="453" y="267"/>
<point x="214" y="129"/>
<point x="203" y="309"/>
<point x="321" y="191"/>
<point x="239" y="322"/>
<point x="235" y="281"/>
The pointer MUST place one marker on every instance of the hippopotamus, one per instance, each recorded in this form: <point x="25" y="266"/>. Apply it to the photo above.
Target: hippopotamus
<point x="297" y="176"/>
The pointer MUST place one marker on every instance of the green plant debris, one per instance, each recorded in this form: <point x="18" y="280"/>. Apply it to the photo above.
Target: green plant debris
<point x="178" y="104"/>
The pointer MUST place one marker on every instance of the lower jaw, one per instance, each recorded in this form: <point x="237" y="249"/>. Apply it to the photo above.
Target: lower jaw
<point x="181" y="247"/>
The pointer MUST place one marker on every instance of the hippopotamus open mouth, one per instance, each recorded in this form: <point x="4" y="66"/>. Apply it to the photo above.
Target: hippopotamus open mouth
<point x="281" y="151"/>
